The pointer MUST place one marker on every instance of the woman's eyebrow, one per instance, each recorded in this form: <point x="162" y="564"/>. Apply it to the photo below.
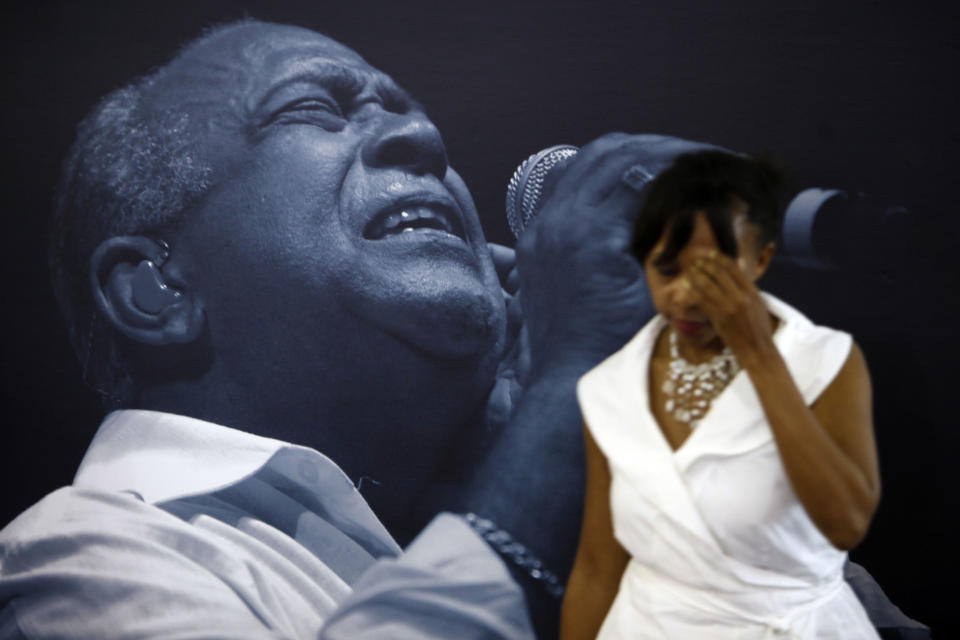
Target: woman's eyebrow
<point x="661" y="259"/>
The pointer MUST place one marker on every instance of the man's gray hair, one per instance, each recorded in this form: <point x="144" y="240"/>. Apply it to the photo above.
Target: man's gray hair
<point x="131" y="170"/>
<point x="126" y="173"/>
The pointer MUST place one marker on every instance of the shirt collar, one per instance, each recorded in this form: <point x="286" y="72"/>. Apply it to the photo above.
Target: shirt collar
<point x="164" y="456"/>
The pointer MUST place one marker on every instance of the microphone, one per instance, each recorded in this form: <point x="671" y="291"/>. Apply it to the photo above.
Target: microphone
<point x="529" y="181"/>
<point x="830" y="229"/>
<point x="822" y="228"/>
<point x="536" y="175"/>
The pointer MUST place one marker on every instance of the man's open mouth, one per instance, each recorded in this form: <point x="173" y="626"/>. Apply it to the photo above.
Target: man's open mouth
<point x="414" y="218"/>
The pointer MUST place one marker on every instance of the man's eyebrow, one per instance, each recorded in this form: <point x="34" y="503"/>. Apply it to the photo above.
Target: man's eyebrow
<point x="349" y="80"/>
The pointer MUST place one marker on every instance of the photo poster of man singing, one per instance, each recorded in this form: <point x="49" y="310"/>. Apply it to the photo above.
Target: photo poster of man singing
<point x="856" y="101"/>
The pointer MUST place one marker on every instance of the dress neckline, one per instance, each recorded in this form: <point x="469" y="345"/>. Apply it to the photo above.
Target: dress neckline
<point x="659" y="325"/>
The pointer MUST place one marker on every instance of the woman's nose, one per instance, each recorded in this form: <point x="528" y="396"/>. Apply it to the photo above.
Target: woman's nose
<point x="682" y="293"/>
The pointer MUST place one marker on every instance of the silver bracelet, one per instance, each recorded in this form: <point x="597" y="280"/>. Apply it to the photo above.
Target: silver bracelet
<point x="504" y="544"/>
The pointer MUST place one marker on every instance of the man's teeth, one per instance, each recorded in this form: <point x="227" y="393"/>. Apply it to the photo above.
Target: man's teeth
<point x="411" y="219"/>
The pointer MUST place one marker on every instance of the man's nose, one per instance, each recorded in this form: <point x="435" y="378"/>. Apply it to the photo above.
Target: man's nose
<point x="407" y="141"/>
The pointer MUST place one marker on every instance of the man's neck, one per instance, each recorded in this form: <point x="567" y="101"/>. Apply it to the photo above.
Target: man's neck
<point x="389" y="438"/>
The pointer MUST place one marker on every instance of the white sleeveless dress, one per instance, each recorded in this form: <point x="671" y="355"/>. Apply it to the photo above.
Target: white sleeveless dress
<point x="720" y="545"/>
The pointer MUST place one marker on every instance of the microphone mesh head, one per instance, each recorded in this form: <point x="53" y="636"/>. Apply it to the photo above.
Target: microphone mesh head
<point x="526" y="186"/>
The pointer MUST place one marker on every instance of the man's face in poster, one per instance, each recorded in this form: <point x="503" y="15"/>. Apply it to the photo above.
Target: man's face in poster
<point x="333" y="231"/>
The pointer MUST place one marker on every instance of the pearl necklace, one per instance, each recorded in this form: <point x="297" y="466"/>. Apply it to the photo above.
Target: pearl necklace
<point x="690" y="388"/>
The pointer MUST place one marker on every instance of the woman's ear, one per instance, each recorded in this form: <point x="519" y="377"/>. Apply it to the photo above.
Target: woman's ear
<point x="764" y="257"/>
<point x="132" y="292"/>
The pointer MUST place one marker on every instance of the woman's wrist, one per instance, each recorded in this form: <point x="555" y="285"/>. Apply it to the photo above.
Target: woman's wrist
<point x="760" y="354"/>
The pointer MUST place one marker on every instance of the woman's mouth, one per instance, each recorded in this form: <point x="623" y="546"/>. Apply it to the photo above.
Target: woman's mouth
<point x="688" y="327"/>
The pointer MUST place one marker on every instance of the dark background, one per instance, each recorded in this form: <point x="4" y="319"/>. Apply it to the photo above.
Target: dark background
<point x="859" y="96"/>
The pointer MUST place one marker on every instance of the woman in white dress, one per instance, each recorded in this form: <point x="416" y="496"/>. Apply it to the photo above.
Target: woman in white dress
<point x="731" y="460"/>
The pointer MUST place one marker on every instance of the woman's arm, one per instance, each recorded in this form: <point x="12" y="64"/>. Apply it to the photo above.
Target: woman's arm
<point x="828" y="451"/>
<point x="600" y="560"/>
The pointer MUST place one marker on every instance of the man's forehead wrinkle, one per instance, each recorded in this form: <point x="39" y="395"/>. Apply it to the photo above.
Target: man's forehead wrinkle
<point x="272" y="54"/>
<point x="206" y="68"/>
<point x="232" y="60"/>
<point x="203" y="88"/>
<point x="232" y="82"/>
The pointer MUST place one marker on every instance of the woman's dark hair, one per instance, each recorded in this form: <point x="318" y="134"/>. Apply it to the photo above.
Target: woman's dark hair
<point x="712" y="181"/>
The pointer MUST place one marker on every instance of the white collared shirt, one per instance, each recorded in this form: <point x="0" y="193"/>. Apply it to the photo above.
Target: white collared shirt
<point x="176" y="527"/>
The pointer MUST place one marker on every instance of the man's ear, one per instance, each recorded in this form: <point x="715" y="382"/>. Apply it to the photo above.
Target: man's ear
<point x="132" y="292"/>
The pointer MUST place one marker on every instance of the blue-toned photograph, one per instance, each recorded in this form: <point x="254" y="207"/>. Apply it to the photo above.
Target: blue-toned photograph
<point x="508" y="320"/>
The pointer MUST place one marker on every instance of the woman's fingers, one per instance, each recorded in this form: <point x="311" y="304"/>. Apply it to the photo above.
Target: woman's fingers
<point x="706" y="285"/>
<point x="720" y="270"/>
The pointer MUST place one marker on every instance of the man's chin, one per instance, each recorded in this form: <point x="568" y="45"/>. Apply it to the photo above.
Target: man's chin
<point x="471" y="330"/>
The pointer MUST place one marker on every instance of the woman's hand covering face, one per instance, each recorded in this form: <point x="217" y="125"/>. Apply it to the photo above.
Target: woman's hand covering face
<point x="730" y="301"/>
